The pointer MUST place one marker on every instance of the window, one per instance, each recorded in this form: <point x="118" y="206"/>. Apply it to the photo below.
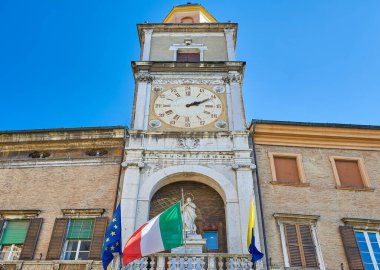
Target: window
<point x="300" y="245"/>
<point x="299" y="240"/>
<point x="13" y="238"/>
<point x="78" y="239"/>
<point x="369" y="246"/>
<point x="349" y="173"/>
<point x="187" y="20"/>
<point x="286" y="169"/>
<point x="211" y="240"/>
<point x="183" y="56"/>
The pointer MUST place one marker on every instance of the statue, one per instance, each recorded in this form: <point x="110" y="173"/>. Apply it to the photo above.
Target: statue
<point x="189" y="216"/>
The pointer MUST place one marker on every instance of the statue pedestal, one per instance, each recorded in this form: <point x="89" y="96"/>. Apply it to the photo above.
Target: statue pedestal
<point x="193" y="245"/>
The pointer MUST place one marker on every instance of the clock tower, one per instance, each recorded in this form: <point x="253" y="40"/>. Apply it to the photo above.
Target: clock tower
<point x="188" y="136"/>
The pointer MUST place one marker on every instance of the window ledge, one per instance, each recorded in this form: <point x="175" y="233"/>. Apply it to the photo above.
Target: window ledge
<point x="355" y="188"/>
<point x="283" y="217"/>
<point x="19" y="214"/>
<point x="277" y="183"/>
<point x="83" y="212"/>
<point x="362" y="223"/>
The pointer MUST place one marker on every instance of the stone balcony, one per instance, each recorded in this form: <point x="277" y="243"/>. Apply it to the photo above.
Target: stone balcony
<point x="160" y="261"/>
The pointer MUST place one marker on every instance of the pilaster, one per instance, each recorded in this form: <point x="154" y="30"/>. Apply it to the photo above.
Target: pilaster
<point x="229" y="33"/>
<point x="144" y="80"/>
<point x="147" y="44"/>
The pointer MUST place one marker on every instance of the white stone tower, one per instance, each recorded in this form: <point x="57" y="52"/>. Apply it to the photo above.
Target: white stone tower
<point x="188" y="125"/>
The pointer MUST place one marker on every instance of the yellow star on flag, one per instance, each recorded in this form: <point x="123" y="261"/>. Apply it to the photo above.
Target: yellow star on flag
<point x="117" y="243"/>
<point x="113" y="233"/>
<point x="115" y="226"/>
<point x="114" y="220"/>
<point x="107" y="240"/>
<point x="112" y="247"/>
<point x="106" y="248"/>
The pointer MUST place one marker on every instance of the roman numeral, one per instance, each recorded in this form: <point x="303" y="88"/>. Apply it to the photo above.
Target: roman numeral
<point x="169" y="112"/>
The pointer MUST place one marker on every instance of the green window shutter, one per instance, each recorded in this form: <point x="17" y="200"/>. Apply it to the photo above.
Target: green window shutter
<point x="15" y="232"/>
<point x="80" y="229"/>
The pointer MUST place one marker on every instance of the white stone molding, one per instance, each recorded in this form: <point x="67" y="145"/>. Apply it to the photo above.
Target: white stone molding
<point x="229" y="33"/>
<point x="58" y="163"/>
<point x="182" y="81"/>
<point x="147" y="44"/>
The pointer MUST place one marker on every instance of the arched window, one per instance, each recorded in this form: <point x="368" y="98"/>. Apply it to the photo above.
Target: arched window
<point x="187" y="20"/>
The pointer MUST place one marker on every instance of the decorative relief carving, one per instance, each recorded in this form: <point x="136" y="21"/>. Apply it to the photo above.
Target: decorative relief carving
<point x="188" y="143"/>
<point x="144" y="77"/>
<point x="139" y="163"/>
<point x="221" y="124"/>
<point x="232" y="78"/>
<point x="188" y="81"/>
<point x="240" y="165"/>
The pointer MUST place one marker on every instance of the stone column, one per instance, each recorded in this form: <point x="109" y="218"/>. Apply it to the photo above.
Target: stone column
<point x="142" y="101"/>
<point x="129" y="195"/>
<point x="244" y="180"/>
<point x="229" y="33"/>
<point x="142" y="214"/>
<point x="234" y="245"/>
<point x="147" y="44"/>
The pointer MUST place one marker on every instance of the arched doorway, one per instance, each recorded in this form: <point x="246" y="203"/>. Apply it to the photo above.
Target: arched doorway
<point x="211" y="219"/>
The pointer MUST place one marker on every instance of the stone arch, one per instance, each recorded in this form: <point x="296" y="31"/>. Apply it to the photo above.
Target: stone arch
<point x="209" y="177"/>
<point x="210" y="208"/>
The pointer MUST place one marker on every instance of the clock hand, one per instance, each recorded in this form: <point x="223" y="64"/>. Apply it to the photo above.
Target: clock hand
<point x="196" y="103"/>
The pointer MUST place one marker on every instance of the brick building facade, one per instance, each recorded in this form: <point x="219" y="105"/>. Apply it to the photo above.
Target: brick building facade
<point x="55" y="184"/>
<point x="320" y="193"/>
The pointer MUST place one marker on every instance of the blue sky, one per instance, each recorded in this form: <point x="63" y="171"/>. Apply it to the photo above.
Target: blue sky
<point x="67" y="63"/>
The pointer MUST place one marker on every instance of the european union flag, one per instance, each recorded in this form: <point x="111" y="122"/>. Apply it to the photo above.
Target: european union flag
<point x="112" y="240"/>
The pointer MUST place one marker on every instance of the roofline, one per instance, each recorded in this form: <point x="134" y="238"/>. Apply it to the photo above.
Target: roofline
<point x="185" y="27"/>
<point x="192" y="7"/>
<point x="313" y="124"/>
<point x="62" y="129"/>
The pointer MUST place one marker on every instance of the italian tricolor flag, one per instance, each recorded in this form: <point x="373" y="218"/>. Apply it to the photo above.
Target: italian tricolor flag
<point x="163" y="232"/>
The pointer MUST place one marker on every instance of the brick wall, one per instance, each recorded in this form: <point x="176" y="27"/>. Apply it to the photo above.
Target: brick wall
<point x="320" y="198"/>
<point x="51" y="189"/>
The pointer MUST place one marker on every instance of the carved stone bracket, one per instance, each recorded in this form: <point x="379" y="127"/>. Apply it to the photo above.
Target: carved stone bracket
<point x="232" y="78"/>
<point x="188" y="143"/>
<point x="139" y="163"/>
<point x="241" y="165"/>
<point x="144" y="77"/>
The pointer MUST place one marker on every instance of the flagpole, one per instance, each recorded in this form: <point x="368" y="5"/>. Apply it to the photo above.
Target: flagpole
<point x="183" y="224"/>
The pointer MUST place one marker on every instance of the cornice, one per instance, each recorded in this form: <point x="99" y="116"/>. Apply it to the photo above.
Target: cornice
<point x="316" y="136"/>
<point x="172" y="66"/>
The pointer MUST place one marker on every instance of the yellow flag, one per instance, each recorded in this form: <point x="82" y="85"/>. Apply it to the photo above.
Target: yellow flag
<point x="251" y="223"/>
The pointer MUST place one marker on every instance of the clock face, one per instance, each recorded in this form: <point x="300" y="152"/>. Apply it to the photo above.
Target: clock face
<point x="188" y="107"/>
